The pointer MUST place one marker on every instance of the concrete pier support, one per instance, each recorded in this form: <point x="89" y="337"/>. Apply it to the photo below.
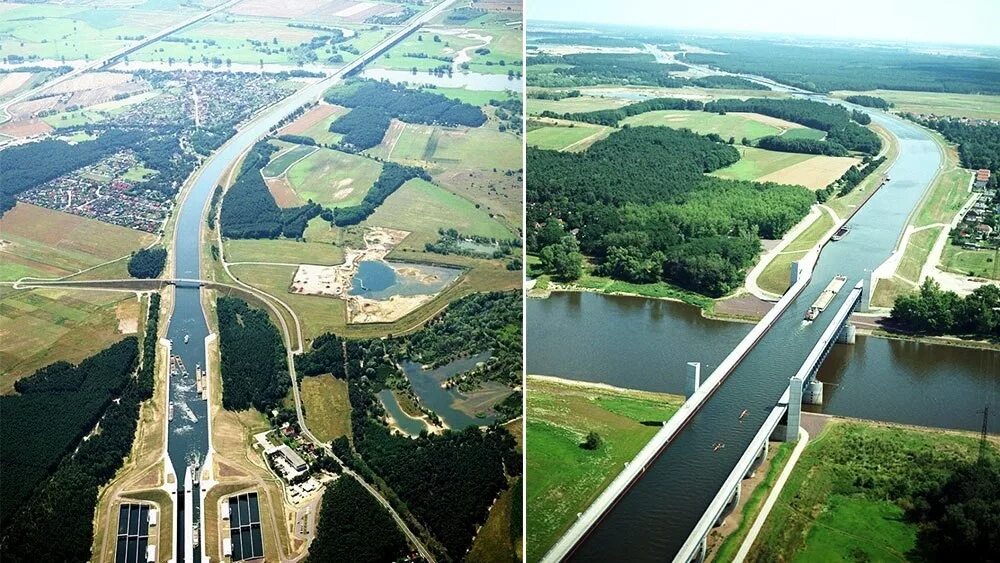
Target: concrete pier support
<point x="866" y="295"/>
<point x="796" y="271"/>
<point x="734" y="500"/>
<point x="812" y="393"/>
<point x="761" y="456"/>
<point x="693" y="379"/>
<point x="794" y="409"/>
<point x="848" y="334"/>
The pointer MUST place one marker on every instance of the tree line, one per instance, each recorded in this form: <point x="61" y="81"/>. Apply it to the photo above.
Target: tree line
<point x="63" y="506"/>
<point x="978" y="145"/>
<point x="934" y="311"/>
<point x="249" y="209"/>
<point x="869" y="101"/>
<point x="380" y="102"/>
<point x="389" y="180"/>
<point x="639" y="202"/>
<point x="254" y="365"/>
<point x="147" y="263"/>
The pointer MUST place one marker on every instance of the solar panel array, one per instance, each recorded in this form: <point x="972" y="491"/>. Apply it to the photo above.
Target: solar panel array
<point x="133" y="533"/>
<point x="244" y="527"/>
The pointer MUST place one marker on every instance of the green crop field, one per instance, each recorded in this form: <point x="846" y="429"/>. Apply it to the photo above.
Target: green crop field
<point x="563" y="478"/>
<point x="756" y="163"/>
<point x="284" y="158"/>
<point x="283" y="251"/>
<point x="982" y="263"/>
<point x="75" y="32"/>
<point x="475" y="97"/>
<point x="67" y="244"/>
<point x="320" y="130"/>
<point x="420" y="51"/>
<point x="803" y="133"/>
<point x="41" y="326"/>
<point x="327" y="406"/>
<point x="939" y="103"/>
<point x="422" y="208"/>
<point x="573" y="105"/>
<point x="726" y="126"/>
<point x="448" y="147"/>
<point x="333" y="178"/>
<point x="845" y="499"/>
<point x="559" y="137"/>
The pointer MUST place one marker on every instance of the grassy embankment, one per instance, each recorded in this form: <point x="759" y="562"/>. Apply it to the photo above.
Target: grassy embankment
<point x="563" y="478"/>
<point x="844" y="500"/>
<point x="934" y="213"/>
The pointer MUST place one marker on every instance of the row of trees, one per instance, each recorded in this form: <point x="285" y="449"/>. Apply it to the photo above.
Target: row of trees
<point x="254" y="364"/>
<point x="147" y="263"/>
<point x="833" y="119"/>
<point x="63" y="507"/>
<point x="850" y="179"/>
<point x="805" y="146"/>
<point x="249" y="209"/>
<point x="869" y="101"/>
<point x="935" y="311"/>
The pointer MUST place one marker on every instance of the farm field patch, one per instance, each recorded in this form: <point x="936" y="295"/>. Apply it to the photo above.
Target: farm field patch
<point x="453" y="147"/>
<point x="812" y="171"/>
<point x="735" y="125"/>
<point x="561" y="137"/>
<point x="67" y="244"/>
<point x="976" y="106"/>
<point x="315" y="124"/>
<point x="327" y="406"/>
<point x="41" y="326"/>
<point x="283" y="251"/>
<point x="333" y="178"/>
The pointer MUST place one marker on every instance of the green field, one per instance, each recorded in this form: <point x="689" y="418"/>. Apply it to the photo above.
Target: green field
<point x="333" y="178"/>
<point x="945" y="198"/>
<point x="726" y="126"/>
<point x="427" y="52"/>
<point x="422" y="208"/>
<point x="41" y="326"/>
<point x="563" y="478"/>
<point x="68" y="244"/>
<point x="983" y="263"/>
<point x="283" y="251"/>
<point x="573" y="105"/>
<point x="939" y="103"/>
<point x="844" y="500"/>
<point x="327" y="407"/>
<point x="756" y="163"/>
<point x="320" y="131"/>
<point x="227" y="38"/>
<point x="284" y="158"/>
<point x="449" y="147"/>
<point x="474" y="97"/>
<point x="493" y="543"/>
<point x="76" y="32"/>
<point x="559" y="137"/>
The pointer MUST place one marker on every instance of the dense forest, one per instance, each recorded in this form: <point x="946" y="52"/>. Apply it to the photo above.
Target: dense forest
<point x="254" y="364"/>
<point x="932" y="310"/>
<point x="727" y="82"/>
<point x="380" y="102"/>
<point x="805" y="146"/>
<point x="63" y="507"/>
<point x="389" y="180"/>
<point x="978" y="145"/>
<point x="833" y="119"/>
<point x="147" y="263"/>
<point x="249" y="209"/>
<point x="822" y="68"/>
<point x="639" y="201"/>
<point x="869" y="101"/>
<point x="353" y="526"/>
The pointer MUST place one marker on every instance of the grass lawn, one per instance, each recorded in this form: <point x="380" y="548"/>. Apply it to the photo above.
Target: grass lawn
<point x="559" y="138"/>
<point x="983" y="263"/>
<point x="47" y="243"/>
<point x="41" y="326"/>
<point x="283" y="251"/>
<point x="945" y="198"/>
<point x="493" y="543"/>
<point x="843" y="501"/>
<point x="776" y="275"/>
<point x="563" y="478"/>
<point x="283" y="159"/>
<point x="422" y="208"/>
<point x="755" y="163"/>
<point x="939" y="103"/>
<point x="703" y="122"/>
<point x="474" y="97"/>
<point x="332" y="178"/>
<point x="918" y="248"/>
<point x="478" y="147"/>
<point x="573" y="105"/>
<point x="327" y="406"/>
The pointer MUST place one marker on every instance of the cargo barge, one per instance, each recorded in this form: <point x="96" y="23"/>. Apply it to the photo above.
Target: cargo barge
<point x="825" y="298"/>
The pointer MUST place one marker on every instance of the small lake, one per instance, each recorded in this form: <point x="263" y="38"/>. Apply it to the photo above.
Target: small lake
<point x="405" y="422"/>
<point x="379" y="279"/>
<point x="468" y="80"/>
<point x="458" y="410"/>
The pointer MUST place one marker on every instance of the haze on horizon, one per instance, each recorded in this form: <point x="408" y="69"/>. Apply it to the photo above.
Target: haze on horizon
<point x="960" y="22"/>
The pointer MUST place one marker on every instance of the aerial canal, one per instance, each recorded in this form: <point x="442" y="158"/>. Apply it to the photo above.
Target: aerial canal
<point x="638" y="343"/>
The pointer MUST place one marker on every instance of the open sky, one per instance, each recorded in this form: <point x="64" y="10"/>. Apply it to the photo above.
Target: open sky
<point x="969" y="22"/>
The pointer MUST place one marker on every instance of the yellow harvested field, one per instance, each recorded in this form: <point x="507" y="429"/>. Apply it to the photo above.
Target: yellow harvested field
<point x="12" y="81"/>
<point x="91" y="80"/>
<point x="815" y="173"/>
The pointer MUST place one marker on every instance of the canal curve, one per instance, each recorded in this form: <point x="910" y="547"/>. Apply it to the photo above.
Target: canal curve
<point x="676" y="489"/>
